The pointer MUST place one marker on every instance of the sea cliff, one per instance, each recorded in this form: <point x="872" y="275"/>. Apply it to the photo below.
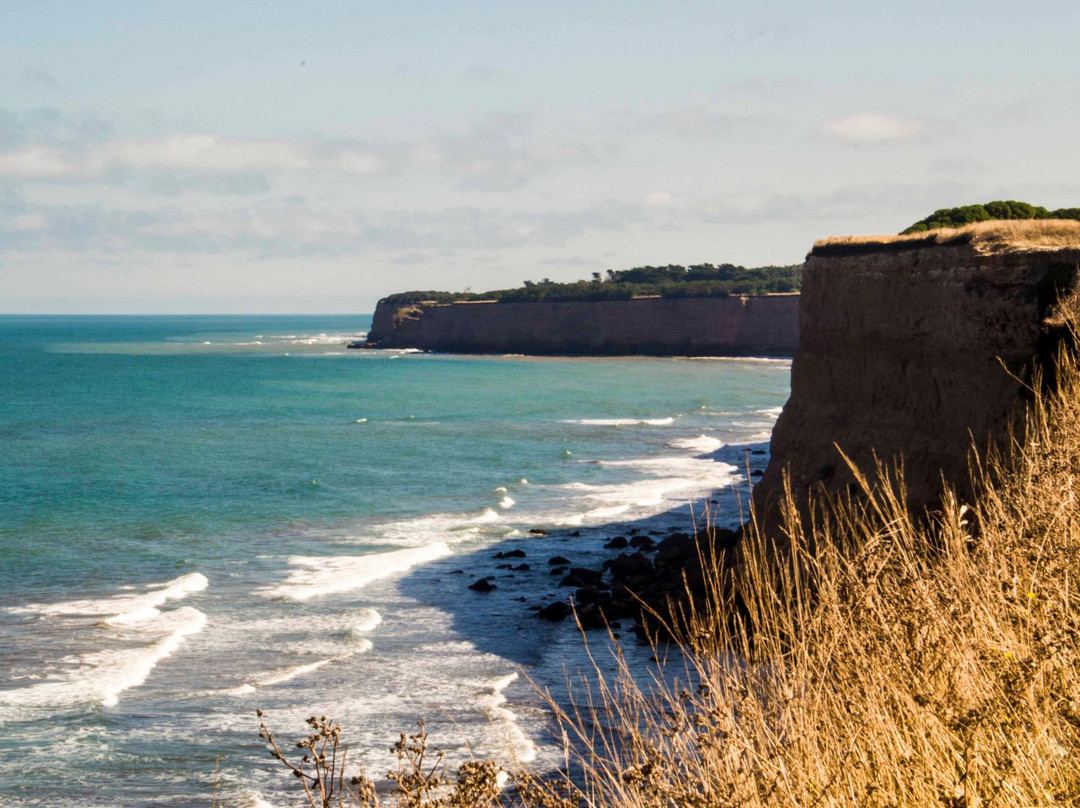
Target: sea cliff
<point x="751" y="325"/>
<point x="916" y="349"/>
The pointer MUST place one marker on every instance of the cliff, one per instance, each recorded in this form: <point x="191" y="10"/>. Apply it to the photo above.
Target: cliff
<point x="733" y="326"/>
<point x="912" y="348"/>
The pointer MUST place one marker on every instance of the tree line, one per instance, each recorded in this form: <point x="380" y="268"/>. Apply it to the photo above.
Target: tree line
<point x="672" y="280"/>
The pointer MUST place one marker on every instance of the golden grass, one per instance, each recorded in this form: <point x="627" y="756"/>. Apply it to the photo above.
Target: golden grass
<point x="988" y="237"/>
<point x="898" y="663"/>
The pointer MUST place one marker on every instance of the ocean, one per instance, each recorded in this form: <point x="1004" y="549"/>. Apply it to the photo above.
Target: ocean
<point x="202" y="516"/>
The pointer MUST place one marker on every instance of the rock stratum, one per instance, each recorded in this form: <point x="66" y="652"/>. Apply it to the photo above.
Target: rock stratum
<point x="764" y="325"/>
<point x="917" y="349"/>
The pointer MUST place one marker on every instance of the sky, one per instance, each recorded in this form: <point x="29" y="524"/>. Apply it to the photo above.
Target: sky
<point x="200" y="157"/>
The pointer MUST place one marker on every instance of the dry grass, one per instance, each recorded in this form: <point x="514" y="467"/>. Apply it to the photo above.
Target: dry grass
<point x="901" y="663"/>
<point x="987" y="237"/>
<point x="880" y="661"/>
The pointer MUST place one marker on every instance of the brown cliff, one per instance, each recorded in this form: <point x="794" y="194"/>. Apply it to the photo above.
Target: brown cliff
<point x="764" y="325"/>
<point x="913" y="348"/>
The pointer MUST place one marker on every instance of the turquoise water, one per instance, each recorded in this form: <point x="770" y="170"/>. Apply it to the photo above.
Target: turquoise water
<point x="201" y="515"/>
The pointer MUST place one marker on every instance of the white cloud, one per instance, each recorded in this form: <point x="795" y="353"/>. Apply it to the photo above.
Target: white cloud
<point x="695" y="121"/>
<point x="35" y="162"/>
<point x="871" y="127"/>
<point x="501" y="152"/>
<point x="190" y="153"/>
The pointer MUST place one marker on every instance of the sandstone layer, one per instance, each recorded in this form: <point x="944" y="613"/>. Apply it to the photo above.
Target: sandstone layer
<point x="735" y="326"/>
<point x="915" y="351"/>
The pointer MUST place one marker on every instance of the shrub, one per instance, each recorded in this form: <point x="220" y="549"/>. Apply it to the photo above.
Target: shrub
<point x="999" y="210"/>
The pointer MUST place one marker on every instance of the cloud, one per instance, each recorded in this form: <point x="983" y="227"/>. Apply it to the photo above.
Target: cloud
<point x="484" y="73"/>
<point x="501" y="152"/>
<point x="47" y="126"/>
<point x="298" y="227"/>
<point x="505" y="151"/>
<point x="295" y="227"/>
<point x="183" y="153"/>
<point x="870" y="127"/>
<point x="689" y="122"/>
<point x="37" y="79"/>
<point x="766" y="88"/>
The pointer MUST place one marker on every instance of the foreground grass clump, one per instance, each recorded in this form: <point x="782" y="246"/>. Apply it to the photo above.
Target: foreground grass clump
<point x="875" y="659"/>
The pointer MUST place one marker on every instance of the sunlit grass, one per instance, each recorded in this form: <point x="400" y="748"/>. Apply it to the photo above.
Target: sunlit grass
<point x="988" y="237"/>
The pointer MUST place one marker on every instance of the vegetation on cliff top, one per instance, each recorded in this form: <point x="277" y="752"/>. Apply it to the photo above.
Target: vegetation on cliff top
<point x="987" y="237"/>
<point x="871" y="658"/>
<point x="699" y="280"/>
<point x="999" y="210"/>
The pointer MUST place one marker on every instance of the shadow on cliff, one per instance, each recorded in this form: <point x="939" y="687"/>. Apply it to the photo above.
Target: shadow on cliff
<point x="525" y="572"/>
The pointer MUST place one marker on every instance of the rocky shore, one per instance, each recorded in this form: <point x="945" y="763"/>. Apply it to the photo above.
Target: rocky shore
<point x="615" y="577"/>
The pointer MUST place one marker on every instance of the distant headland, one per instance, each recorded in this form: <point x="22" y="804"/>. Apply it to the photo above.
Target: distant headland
<point x="700" y="310"/>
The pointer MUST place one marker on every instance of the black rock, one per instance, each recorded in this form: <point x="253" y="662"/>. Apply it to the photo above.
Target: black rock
<point x="457" y="572"/>
<point x="628" y="569"/>
<point x="758" y="451"/>
<point x="592" y="616"/>
<point x="677" y="551"/>
<point x="581" y="576"/>
<point x="555" y="612"/>
<point x="483" y="585"/>
<point x="558" y="560"/>
<point x="642" y="543"/>
<point x="558" y="570"/>
<point x="576" y="534"/>
<point x="757" y="473"/>
<point x="539" y="531"/>
<point x="511" y="554"/>
<point x="521" y="568"/>
<point x="723" y="539"/>
<point x="590" y="594"/>
<point x="617" y="543"/>
<point x="594" y="577"/>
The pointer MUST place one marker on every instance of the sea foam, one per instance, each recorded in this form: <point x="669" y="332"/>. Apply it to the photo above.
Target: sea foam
<point x="622" y="421"/>
<point x="122" y="610"/>
<point x="101" y="676"/>
<point x="281" y="675"/>
<point x="314" y="576"/>
<point x="702" y="444"/>
<point x="492" y="704"/>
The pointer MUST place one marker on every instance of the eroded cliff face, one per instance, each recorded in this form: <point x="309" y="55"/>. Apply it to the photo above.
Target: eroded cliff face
<point x="912" y="352"/>
<point x="735" y="326"/>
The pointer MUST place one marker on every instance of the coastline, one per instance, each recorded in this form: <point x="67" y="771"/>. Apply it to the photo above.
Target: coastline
<point x="744" y="326"/>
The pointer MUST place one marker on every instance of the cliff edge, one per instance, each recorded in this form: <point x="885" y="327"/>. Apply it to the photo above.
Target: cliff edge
<point x="746" y="325"/>
<point x="911" y="348"/>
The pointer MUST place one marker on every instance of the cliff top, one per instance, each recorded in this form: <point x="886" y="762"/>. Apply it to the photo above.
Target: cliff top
<point x="987" y="238"/>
